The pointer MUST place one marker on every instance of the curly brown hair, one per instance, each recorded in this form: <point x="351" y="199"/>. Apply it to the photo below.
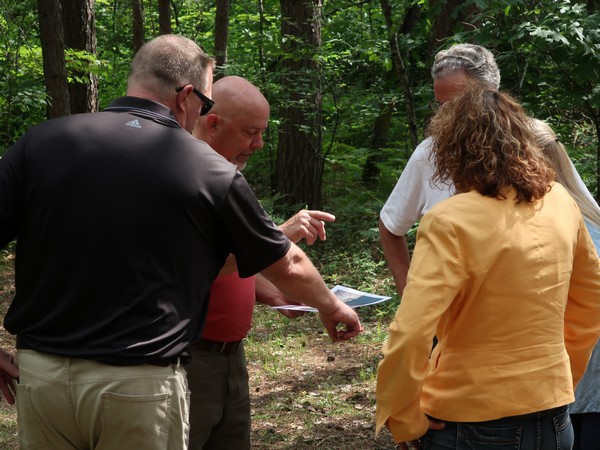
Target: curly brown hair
<point x="483" y="141"/>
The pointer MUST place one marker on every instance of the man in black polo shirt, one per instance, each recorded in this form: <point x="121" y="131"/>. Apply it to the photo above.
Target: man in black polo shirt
<point x="122" y="221"/>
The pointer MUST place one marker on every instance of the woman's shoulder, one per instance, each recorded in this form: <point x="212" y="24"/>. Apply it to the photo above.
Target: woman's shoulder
<point x="460" y="209"/>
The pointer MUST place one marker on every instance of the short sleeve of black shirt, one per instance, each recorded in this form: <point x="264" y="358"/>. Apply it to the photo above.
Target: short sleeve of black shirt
<point x="256" y="241"/>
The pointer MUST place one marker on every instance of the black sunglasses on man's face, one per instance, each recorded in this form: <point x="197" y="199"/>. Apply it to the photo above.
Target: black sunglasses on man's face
<point x="208" y="103"/>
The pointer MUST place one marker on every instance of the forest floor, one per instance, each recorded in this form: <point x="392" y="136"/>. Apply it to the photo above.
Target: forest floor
<point x="306" y="392"/>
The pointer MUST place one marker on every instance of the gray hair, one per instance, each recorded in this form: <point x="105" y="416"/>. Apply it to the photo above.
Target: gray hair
<point x="170" y="61"/>
<point x="475" y="61"/>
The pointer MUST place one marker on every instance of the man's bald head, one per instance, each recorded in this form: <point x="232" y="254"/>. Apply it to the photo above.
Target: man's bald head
<point x="234" y="95"/>
<point x="236" y="122"/>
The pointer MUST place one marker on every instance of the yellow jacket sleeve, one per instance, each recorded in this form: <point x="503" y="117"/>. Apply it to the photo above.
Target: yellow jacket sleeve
<point x="434" y="278"/>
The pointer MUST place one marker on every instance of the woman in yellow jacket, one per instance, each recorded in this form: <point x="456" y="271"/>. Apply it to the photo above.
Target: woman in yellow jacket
<point x="506" y="276"/>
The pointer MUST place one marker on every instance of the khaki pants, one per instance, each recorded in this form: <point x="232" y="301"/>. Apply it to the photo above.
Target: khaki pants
<point x="68" y="403"/>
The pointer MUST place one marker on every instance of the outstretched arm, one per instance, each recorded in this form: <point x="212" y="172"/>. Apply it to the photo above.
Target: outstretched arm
<point x="305" y="224"/>
<point x="298" y="279"/>
<point x="268" y="294"/>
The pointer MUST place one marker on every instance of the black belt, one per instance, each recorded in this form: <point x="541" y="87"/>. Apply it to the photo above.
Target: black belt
<point x="112" y="360"/>
<point x="183" y="358"/>
<point x="160" y="362"/>
<point x="216" y="346"/>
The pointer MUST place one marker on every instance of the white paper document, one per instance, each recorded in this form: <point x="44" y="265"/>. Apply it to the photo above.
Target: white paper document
<point x="349" y="296"/>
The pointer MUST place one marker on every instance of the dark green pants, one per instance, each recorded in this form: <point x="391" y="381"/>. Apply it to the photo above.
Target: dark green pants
<point x="220" y="400"/>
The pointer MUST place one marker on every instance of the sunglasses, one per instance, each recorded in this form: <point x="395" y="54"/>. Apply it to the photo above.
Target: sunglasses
<point x="208" y="103"/>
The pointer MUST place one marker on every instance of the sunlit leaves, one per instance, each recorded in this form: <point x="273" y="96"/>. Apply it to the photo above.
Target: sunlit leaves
<point x="548" y="35"/>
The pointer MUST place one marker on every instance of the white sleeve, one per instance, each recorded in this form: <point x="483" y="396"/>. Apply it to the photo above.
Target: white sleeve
<point x="414" y="194"/>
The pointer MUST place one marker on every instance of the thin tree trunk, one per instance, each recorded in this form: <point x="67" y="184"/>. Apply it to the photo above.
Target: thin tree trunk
<point x="592" y="6"/>
<point x="164" y="17"/>
<point x="401" y="73"/>
<point x="79" y="27"/>
<point x="53" y="54"/>
<point x="300" y="159"/>
<point x="221" y="36"/>
<point x="261" y="27"/>
<point x="450" y="14"/>
<point x="138" y="24"/>
<point x="381" y="131"/>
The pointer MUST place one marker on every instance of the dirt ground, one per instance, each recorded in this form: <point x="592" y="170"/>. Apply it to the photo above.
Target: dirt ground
<point x="307" y="393"/>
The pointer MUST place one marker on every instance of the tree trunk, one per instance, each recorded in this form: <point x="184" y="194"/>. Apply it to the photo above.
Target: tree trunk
<point x="164" y="17"/>
<point x="381" y="131"/>
<point x="300" y="161"/>
<point x="450" y="14"/>
<point x="381" y="127"/>
<point x="261" y="28"/>
<point x="79" y="27"/>
<point x="53" y="54"/>
<point x="221" y="37"/>
<point x="401" y="73"/>
<point x="592" y="6"/>
<point x="138" y="24"/>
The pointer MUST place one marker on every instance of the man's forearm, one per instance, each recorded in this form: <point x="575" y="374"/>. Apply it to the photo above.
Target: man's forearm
<point x="298" y="279"/>
<point x="396" y="254"/>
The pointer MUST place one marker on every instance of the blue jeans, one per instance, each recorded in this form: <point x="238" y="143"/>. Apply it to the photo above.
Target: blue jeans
<point x="587" y="431"/>
<point x="544" y="430"/>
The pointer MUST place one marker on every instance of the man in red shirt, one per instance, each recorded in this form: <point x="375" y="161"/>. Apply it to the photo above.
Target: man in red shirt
<point x="217" y="375"/>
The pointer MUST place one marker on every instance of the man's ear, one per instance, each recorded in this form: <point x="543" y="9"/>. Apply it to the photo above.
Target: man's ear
<point x="181" y="96"/>
<point x="212" y="122"/>
<point x="206" y="126"/>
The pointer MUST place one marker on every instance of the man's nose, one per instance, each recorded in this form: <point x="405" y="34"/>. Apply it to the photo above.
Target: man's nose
<point x="258" y="143"/>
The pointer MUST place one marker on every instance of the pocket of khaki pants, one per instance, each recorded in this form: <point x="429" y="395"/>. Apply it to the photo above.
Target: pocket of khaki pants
<point x="136" y="421"/>
<point x="30" y="432"/>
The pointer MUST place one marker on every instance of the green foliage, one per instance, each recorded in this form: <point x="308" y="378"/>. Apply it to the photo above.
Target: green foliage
<point x="22" y="94"/>
<point x="548" y="53"/>
<point x="81" y="64"/>
<point x="549" y="56"/>
<point x="114" y="47"/>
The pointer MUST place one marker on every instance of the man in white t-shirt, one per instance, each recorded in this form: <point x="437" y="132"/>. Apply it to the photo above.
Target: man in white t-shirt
<point x="414" y="193"/>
